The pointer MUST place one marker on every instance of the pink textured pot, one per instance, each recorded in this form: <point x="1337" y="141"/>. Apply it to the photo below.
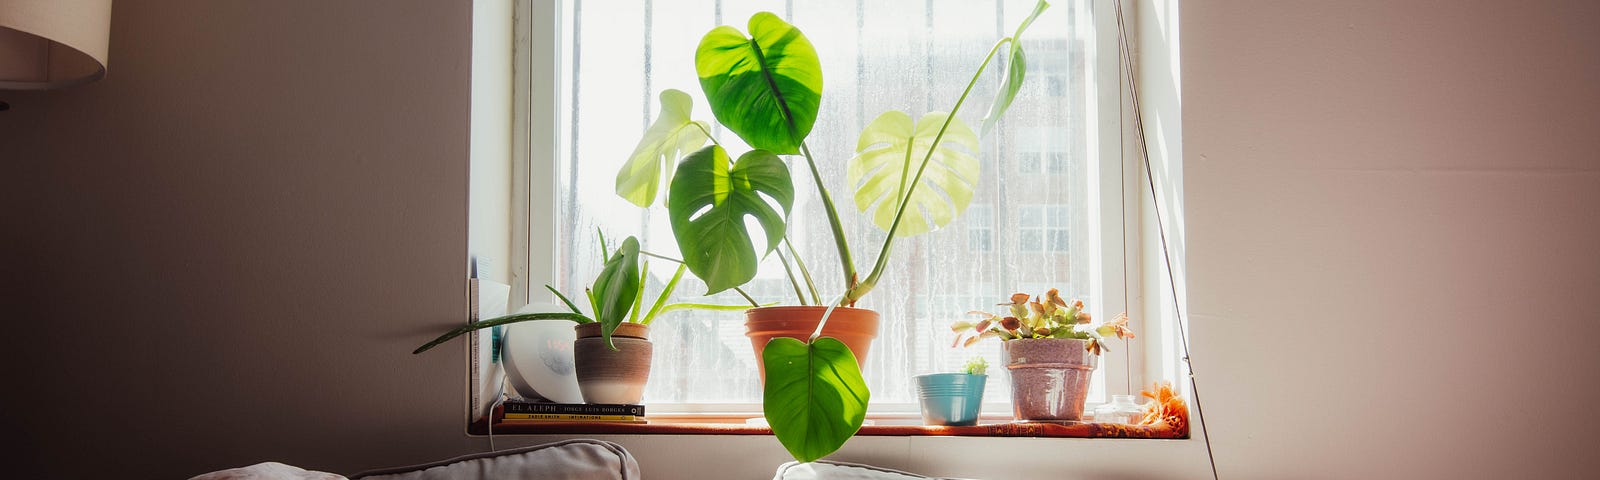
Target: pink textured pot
<point x="1049" y="377"/>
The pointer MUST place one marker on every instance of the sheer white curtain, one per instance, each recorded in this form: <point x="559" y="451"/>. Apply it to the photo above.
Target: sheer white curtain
<point x="1027" y="230"/>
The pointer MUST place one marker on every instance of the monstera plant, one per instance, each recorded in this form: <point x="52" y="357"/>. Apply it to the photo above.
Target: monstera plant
<point x="911" y="174"/>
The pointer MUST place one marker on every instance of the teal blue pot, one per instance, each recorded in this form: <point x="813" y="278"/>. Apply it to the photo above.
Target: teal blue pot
<point x="950" y="398"/>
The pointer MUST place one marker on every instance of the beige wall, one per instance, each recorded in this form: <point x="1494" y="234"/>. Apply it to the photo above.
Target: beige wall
<point x="222" y="253"/>
<point x="1392" y="213"/>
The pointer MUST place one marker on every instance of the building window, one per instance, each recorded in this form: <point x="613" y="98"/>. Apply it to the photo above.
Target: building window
<point x="980" y="228"/>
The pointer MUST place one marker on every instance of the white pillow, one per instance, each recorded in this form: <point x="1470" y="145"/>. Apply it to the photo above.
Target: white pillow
<point x="268" y="471"/>
<point x="829" y="470"/>
<point x="567" y="460"/>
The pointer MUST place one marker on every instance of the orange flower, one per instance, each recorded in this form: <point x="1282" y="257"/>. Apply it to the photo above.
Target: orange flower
<point x="1118" y="327"/>
<point x="1167" y="408"/>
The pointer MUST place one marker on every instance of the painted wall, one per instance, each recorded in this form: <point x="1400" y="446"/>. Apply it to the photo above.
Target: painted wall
<point x="1391" y="212"/>
<point x="222" y="253"/>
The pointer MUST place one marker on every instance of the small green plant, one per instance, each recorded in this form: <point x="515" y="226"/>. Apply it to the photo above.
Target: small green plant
<point x="1048" y="317"/>
<point x="616" y="296"/>
<point x="976" y="366"/>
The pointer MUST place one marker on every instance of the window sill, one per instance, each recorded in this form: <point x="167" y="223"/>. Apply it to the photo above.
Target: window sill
<point x="1000" y="429"/>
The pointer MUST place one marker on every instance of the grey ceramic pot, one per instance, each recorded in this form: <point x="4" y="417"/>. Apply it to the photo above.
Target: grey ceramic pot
<point x="612" y="376"/>
<point x="1049" y="378"/>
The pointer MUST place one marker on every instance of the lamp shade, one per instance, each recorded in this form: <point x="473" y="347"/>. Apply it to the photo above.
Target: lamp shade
<point x="48" y="44"/>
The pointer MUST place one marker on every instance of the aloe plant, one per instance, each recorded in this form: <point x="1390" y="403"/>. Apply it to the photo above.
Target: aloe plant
<point x="914" y="176"/>
<point x="616" y="296"/>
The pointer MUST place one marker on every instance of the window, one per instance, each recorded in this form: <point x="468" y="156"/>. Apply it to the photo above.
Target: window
<point x="980" y="228"/>
<point x="1045" y="228"/>
<point x="1050" y="172"/>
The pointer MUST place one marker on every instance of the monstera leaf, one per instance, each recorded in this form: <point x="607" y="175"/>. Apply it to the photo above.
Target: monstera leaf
<point x="888" y="154"/>
<point x="815" y="398"/>
<point x="1016" y="69"/>
<point x="708" y="202"/>
<point x="673" y="135"/>
<point x="766" y="88"/>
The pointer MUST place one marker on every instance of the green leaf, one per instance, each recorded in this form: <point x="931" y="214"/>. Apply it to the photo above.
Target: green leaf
<point x="766" y="89"/>
<point x="1017" y="68"/>
<point x="672" y="136"/>
<point x="638" y="299"/>
<point x="815" y="398"/>
<point x="888" y="153"/>
<point x="498" y="321"/>
<point x="563" y="298"/>
<point x="617" y="288"/>
<point x="666" y="291"/>
<point x="708" y="203"/>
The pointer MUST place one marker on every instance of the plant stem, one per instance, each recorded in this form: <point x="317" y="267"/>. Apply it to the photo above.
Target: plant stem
<point x="663" y="257"/>
<point x="788" y="272"/>
<point x="855" y="292"/>
<point x="495" y="322"/>
<point x="594" y="303"/>
<point x="747" y="297"/>
<point x="833" y="219"/>
<point x="638" y="298"/>
<point x="804" y="273"/>
<point x="563" y="298"/>
<point x="706" y="306"/>
<point x="741" y="291"/>
<point x="708" y="134"/>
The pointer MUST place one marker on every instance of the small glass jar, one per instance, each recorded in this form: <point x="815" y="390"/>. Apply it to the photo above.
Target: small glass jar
<point x="1121" y="410"/>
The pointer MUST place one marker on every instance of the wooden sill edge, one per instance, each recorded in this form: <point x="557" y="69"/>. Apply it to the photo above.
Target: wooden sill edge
<point x="701" y="427"/>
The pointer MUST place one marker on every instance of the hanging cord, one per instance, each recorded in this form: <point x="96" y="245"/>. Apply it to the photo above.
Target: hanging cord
<point x="1149" y="174"/>
<point x="490" y="415"/>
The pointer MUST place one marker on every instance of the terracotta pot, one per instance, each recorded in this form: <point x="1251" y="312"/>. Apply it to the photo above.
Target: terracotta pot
<point x="856" y="327"/>
<point x="1049" y="377"/>
<point x="612" y="376"/>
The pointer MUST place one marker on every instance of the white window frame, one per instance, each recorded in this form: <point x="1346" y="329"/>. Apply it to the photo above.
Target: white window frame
<point x="538" y="70"/>
<point x="536" y="102"/>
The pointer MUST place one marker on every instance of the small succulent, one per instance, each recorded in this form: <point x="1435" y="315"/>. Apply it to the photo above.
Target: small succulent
<point x="976" y="366"/>
<point x="1047" y="317"/>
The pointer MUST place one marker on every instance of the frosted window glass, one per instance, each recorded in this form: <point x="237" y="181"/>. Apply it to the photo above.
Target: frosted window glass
<point x="877" y="56"/>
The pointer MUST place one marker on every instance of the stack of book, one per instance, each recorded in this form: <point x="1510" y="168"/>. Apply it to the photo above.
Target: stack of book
<point x="517" y="411"/>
